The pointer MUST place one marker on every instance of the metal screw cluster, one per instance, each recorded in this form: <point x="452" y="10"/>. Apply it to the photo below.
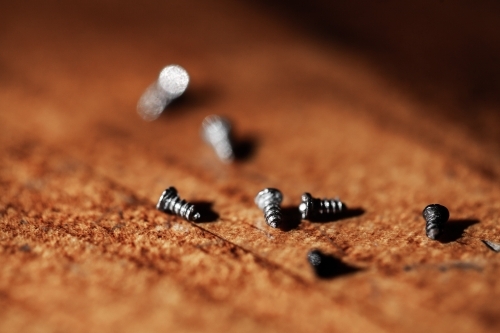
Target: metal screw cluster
<point x="170" y="202"/>
<point x="314" y="208"/>
<point x="171" y="83"/>
<point x="269" y="201"/>
<point x="435" y="216"/>
<point x="216" y="131"/>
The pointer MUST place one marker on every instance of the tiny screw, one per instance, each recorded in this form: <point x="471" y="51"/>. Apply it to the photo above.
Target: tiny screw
<point x="313" y="208"/>
<point x="327" y="266"/>
<point x="435" y="216"/>
<point x="491" y="245"/>
<point x="170" y="202"/>
<point x="269" y="201"/>
<point x="315" y="257"/>
<point x="171" y="83"/>
<point x="216" y="131"/>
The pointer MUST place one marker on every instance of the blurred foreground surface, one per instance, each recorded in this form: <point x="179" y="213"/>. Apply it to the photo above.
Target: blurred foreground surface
<point x="83" y="249"/>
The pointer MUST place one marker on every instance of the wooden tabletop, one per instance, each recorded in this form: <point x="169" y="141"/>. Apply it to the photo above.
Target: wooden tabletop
<point x="82" y="247"/>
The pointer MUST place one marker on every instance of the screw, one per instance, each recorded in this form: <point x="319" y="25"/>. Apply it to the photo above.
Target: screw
<point x="435" y="216"/>
<point x="315" y="257"/>
<point x="327" y="266"/>
<point x="170" y="202"/>
<point x="172" y="82"/>
<point x="491" y="245"/>
<point x="216" y="131"/>
<point x="312" y="208"/>
<point x="269" y="201"/>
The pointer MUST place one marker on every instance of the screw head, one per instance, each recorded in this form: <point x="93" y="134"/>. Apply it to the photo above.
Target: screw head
<point x="315" y="257"/>
<point x="266" y="195"/>
<point x="305" y="206"/>
<point x="174" y="80"/>
<point x="169" y="192"/>
<point x="436" y="213"/>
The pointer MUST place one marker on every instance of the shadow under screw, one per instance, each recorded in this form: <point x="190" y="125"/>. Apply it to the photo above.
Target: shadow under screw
<point x="244" y="148"/>
<point x="193" y="98"/>
<point x="328" y="267"/>
<point x="453" y="230"/>
<point x="292" y="217"/>
<point x="206" y="212"/>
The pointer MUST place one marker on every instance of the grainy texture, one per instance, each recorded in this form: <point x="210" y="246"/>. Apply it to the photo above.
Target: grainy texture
<point x="82" y="247"/>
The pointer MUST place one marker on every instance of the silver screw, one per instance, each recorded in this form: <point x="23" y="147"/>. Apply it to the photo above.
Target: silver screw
<point x="491" y="245"/>
<point x="435" y="216"/>
<point x="216" y="131"/>
<point x="172" y="82"/>
<point x="170" y="202"/>
<point x="313" y="208"/>
<point x="269" y="201"/>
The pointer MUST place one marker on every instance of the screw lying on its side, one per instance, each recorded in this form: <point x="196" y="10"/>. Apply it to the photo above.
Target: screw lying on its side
<point x="313" y="208"/>
<point x="172" y="82"/>
<point x="170" y="202"/>
<point x="435" y="216"/>
<point x="216" y="131"/>
<point x="491" y="245"/>
<point x="269" y="201"/>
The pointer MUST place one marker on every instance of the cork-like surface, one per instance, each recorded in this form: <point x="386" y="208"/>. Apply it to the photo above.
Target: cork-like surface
<point x="82" y="247"/>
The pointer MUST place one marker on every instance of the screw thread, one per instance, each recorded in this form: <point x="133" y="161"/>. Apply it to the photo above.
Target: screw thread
<point x="272" y="214"/>
<point x="170" y="202"/>
<point x="329" y="206"/>
<point x="435" y="216"/>
<point x="269" y="200"/>
<point x="312" y="207"/>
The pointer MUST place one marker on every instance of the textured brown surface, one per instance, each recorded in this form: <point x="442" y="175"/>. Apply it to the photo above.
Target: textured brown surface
<point x="83" y="249"/>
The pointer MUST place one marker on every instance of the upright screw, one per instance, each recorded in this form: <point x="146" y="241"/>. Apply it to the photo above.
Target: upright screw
<point x="435" y="216"/>
<point x="170" y="202"/>
<point x="216" y="131"/>
<point x="313" y="208"/>
<point x="171" y="83"/>
<point x="269" y="201"/>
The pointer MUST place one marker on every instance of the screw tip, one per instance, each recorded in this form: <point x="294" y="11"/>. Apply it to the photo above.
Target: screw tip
<point x="273" y="224"/>
<point x="433" y="234"/>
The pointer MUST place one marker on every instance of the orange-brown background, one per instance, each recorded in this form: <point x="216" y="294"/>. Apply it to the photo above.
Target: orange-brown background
<point x="390" y="106"/>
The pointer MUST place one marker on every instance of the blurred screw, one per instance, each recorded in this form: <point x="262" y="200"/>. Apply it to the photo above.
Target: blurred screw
<point x="170" y="202"/>
<point x="172" y="82"/>
<point x="491" y="245"/>
<point x="269" y="201"/>
<point x="315" y="257"/>
<point x="311" y="207"/>
<point x="216" y="131"/>
<point x="435" y="216"/>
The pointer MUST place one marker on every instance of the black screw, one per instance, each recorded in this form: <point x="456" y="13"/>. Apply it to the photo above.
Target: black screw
<point x="170" y="202"/>
<point x="313" y="208"/>
<point x="269" y="201"/>
<point x="435" y="216"/>
<point x="327" y="266"/>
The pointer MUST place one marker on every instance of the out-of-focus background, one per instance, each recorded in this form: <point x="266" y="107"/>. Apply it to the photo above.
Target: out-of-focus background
<point x="389" y="105"/>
